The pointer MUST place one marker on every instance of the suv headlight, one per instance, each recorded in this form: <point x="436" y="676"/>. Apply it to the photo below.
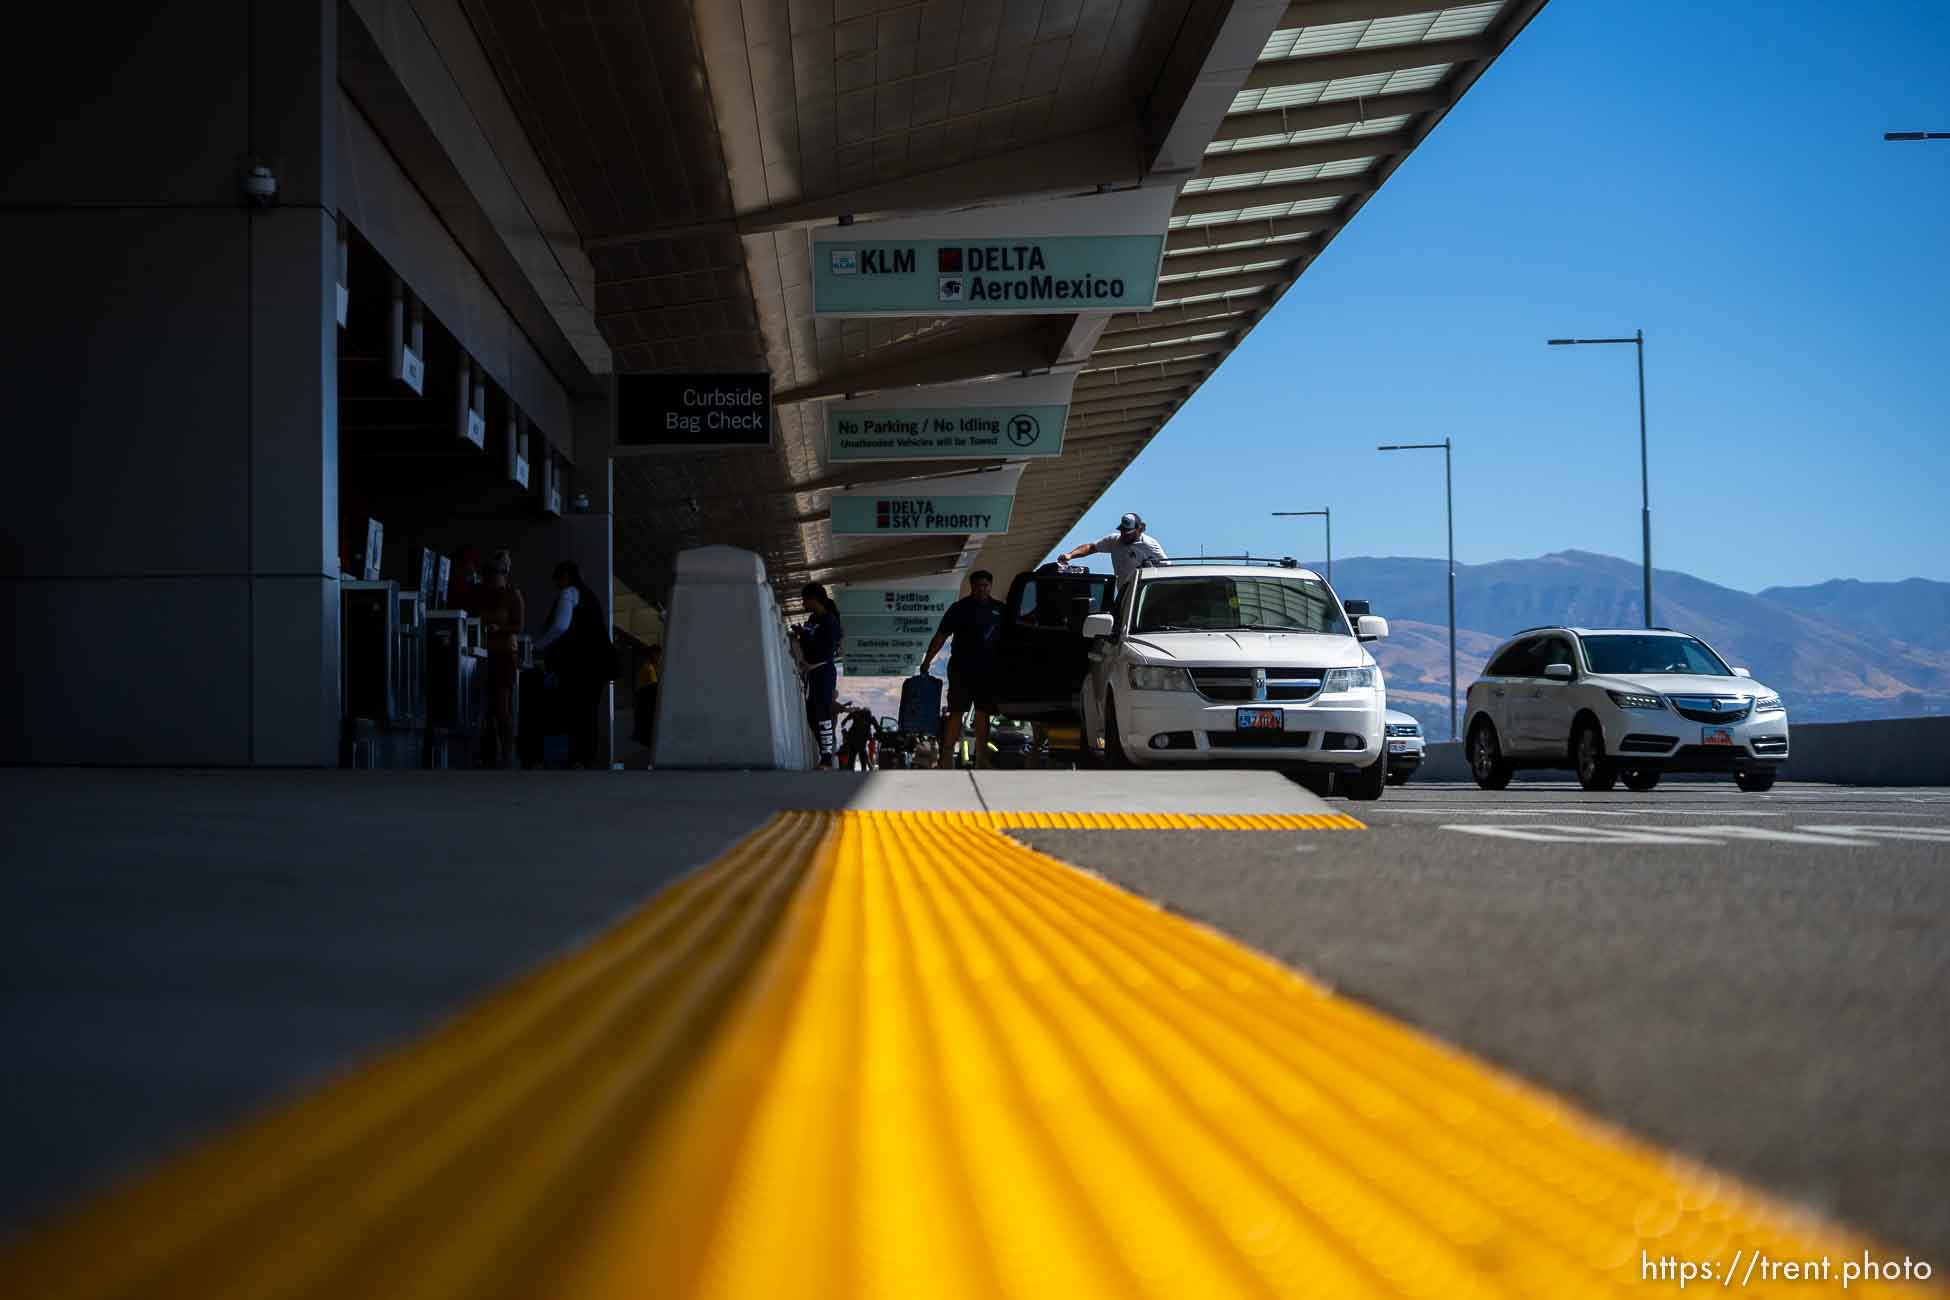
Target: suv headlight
<point x="1629" y="700"/>
<point x="1158" y="677"/>
<point x="1336" y="680"/>
<point x="1769" y="704"/>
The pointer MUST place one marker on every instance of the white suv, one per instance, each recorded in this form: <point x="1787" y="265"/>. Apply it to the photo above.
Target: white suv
<point x="1234" y="662"/>
<point x="1613" y="702"/>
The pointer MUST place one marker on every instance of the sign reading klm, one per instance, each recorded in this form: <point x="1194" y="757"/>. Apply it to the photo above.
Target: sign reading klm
<point x="1097" y="252"/>
<point x="1077" y="274"/>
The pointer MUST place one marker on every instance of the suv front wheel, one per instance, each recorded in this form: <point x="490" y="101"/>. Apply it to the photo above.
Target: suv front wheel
<point x="1486" y="762"/>
<point x="1596" y="772"/>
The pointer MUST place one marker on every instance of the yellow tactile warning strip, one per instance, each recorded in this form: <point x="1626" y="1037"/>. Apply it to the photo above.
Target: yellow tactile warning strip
<point x="893" y="1055"/>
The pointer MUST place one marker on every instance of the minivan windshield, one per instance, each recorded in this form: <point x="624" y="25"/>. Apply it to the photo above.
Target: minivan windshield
<point x="1231" y="604"/>
<point x="1626" y="655"/>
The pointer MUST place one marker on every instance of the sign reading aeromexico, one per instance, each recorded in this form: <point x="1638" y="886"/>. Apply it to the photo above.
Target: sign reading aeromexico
<point x="953" y="503"/>
<point x="1001" y="418"/>
<point x="1099" y="252"/>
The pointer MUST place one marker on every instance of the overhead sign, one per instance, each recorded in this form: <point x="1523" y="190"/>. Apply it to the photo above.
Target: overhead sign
<point x="909" y="648"/>
<point x="1097" y="252"/>
<point x="1002" y="418"/>
<point x="980" y="502"/>
<point x="889" y="625"/>
<point x="920" y="602"/>
<point x="655" y="411"/>
<point x="882" y="665"/>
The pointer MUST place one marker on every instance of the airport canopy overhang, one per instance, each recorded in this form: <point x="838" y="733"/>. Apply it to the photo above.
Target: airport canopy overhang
<point x="696" y="146"/>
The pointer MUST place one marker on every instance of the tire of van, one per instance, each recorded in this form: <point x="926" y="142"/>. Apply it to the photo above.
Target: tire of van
<point x="1114" y="755"/>
<point x="1368" y="783"/>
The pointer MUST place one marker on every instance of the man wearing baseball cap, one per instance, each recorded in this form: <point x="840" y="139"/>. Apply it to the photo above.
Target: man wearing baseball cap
<point x="1130" y="548"/>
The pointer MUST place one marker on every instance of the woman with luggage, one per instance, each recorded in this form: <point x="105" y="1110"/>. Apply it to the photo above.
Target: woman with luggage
<point x="819" y="646"/>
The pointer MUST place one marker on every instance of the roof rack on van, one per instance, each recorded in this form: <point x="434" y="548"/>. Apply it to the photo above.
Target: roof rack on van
<point x="1284" y="562"/>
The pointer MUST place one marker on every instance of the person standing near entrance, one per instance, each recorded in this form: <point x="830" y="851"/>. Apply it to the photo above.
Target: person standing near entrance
<point x="502" y="612"/>
<point x="578" y="651"/>
<point x="1130" y="548"/>
<point x="975" y="625"/>
<point x="820" y="637"/>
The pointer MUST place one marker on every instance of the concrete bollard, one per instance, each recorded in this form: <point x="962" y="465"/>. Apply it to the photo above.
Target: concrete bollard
<point x="731" y="695"/>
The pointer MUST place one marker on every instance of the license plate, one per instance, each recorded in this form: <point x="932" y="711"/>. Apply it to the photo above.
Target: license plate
<point x="1398" y="746"/>
<point x="1262" y="720"/>
<point x="1716" y="736"/>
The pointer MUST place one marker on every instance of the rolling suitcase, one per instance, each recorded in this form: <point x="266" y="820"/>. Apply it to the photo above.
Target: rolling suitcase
<point x="920" y="705"/>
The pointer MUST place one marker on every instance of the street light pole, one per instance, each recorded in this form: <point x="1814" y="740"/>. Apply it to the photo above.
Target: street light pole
<point x="1449" y="513"/>
<point x="1328" y="515"/>
<point x="1645" y="473"/>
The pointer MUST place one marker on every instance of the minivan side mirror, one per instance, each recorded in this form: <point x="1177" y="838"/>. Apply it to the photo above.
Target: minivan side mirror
<point x="1560" y="672"/>
<point x="1370" y="628"/>
<point x="1099" y="625"/>
<point x="1741" y="672"/>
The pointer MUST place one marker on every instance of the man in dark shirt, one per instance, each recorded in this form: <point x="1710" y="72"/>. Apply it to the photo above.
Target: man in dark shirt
<point x="975" y="623"/>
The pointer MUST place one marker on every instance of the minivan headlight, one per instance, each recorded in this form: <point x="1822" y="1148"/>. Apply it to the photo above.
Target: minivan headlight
<point x="1335" y="680"/>
<point x="1630" y="700"/>
<point x="1158" y="677"/>
<point x="1769" y="704"/>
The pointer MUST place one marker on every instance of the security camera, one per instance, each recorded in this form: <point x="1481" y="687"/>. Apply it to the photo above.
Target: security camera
<point x="261" y="184"/>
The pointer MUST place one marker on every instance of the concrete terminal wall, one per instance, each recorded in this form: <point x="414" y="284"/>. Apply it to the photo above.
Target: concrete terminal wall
<point x="731" y="695"/>
<point x="168" y="386"/>
<point x="1898" y="751"/>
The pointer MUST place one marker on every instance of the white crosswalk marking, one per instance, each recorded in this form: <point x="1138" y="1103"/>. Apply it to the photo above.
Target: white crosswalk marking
<point x="1716" y="836"/>
<point x="1581" y="835"/>
<point x="1801" y="836"/>
<point x="1918" y="834"/>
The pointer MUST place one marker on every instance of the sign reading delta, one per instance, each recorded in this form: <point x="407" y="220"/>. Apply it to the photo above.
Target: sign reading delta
<point x="1097" y="252"/>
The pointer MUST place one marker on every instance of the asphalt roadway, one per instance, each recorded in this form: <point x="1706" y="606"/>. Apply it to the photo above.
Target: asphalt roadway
<point x="1754" y="980"/>
<point x="1758" y="981"/>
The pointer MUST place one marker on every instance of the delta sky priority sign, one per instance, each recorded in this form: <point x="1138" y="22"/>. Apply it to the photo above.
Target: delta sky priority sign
<point x="951" y="504"/>
<point x="1096" y="252"/>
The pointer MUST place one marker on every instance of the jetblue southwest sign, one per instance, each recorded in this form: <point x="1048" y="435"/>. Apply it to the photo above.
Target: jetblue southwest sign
<point x="914" y="601"/>
<point x="1001" y="419"/>
<point x="1100" y="252"/>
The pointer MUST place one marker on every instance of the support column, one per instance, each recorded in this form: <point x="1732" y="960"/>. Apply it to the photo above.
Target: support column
<point x="168" y="534"/>
<point x="591" y="534"/>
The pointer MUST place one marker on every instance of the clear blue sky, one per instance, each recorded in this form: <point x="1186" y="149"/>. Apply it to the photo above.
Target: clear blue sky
<point x="1714" y="174"/>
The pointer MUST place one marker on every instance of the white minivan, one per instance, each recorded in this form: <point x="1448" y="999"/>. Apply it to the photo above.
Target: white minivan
<point x="1237" y="662"/>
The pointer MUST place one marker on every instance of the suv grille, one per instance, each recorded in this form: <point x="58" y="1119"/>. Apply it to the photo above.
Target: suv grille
<point x="1235" y="685"/>
<point x="1404" y="729"/>
<point x="1700" y="708"/>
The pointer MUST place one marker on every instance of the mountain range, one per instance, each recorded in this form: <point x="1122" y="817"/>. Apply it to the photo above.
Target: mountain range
<point x="1836" y="651"/>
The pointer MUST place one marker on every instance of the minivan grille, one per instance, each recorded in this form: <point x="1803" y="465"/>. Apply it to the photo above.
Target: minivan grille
<point x="1235" y="685"/>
